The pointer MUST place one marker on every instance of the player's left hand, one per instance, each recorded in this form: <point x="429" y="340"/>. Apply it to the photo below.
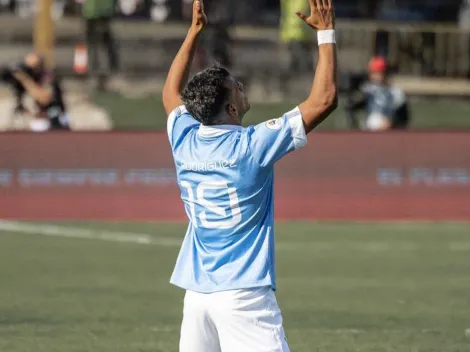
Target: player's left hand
<point x="199" y="16"/>
<point x="322" y="15"/>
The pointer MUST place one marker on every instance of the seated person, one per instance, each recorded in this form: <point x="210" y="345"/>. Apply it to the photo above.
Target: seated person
<point x="385" y="105"/>
<point x="44" y="88"/>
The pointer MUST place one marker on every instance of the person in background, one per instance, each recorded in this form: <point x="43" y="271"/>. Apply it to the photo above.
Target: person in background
<point x="464" y="25"/>
<point x="385" y="105"/>
<point x="216" y="43"/>
<point x="295" y="37"/>
<point x="98" y="15"/>
<point x="219" y="40"/>
<point x="44" y="88"/>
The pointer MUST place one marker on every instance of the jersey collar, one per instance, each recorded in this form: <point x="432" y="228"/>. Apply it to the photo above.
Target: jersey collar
<point x="217" y="130"/>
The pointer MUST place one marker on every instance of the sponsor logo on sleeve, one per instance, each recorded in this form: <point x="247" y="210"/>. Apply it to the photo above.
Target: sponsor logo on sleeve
<point x="275" y="124"/>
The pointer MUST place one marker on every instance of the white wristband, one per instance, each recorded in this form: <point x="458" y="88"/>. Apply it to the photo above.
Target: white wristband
<point x="326" y="37"/>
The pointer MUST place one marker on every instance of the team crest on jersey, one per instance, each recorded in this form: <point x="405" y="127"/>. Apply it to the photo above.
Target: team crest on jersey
<point x="275" y="124"/>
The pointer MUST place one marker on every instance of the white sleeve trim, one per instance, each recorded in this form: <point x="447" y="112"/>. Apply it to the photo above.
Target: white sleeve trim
<point x="296" y="123"/>
<point x="170" y="123"/>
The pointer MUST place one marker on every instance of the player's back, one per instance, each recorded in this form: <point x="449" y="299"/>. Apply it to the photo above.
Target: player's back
<point x="227" y="189"/>
<point x="220" y="180"/>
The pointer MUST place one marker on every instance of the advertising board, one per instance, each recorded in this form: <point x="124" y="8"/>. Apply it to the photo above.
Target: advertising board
<point x="341" y="176"/>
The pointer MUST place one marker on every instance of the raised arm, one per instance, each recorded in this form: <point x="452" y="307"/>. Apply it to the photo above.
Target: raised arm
<point x="179" y="71"/>
<point x="323" y="98"/>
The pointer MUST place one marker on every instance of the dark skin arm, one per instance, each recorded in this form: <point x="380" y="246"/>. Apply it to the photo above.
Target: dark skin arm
<point x="323" y="98"/>
<point x="179" y="72"/>
<point x="40" y="94"/>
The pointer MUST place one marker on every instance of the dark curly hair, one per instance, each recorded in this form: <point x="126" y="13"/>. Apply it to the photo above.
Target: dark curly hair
<point x="205" y="94"/>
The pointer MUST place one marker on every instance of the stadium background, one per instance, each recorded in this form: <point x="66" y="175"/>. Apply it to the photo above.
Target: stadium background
<point x="374" y="233"/>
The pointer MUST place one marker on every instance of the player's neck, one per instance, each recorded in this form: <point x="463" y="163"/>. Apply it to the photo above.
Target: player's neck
<point x="228" y="120"/>
<point x="234" y="120"/>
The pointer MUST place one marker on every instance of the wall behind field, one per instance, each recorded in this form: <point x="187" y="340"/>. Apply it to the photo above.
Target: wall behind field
<point x="341" y="176"/>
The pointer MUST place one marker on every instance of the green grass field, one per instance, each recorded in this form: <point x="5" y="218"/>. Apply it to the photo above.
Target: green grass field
<point x="148" y="113"/>
<point x="342" y="287"/>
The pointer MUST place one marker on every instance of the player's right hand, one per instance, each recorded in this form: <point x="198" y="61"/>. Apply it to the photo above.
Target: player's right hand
<point x="322" y="15"/>
<point x="199" y="16"/>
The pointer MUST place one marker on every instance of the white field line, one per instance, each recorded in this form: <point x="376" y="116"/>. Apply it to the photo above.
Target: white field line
<point x="80" y="233"/>
<point x="146" y="239"/>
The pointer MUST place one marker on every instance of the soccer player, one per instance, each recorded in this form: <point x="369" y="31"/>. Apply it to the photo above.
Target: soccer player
<point x="225" y="173"/>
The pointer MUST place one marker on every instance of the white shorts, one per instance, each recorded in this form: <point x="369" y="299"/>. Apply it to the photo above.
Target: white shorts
<point x="246" y="320"/>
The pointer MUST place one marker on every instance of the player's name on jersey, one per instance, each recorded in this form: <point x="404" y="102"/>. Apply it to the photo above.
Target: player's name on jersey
<point x="209" y="165"/>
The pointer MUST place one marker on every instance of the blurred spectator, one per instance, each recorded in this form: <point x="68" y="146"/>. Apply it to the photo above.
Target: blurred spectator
<point x="295" y="36"/>
<point x="385" y="105"/>
<point x="98" y="15"/>
<point x="43" y="86"/>
<point x="221" y="13"/>
<point x="6" y="5"/>
<point x="216" y="41"/>
<point x="464" y="24"/>
<point x="464" y="15"/>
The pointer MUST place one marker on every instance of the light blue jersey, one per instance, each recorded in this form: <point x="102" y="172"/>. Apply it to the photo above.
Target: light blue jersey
<point x="225" y="174"/>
